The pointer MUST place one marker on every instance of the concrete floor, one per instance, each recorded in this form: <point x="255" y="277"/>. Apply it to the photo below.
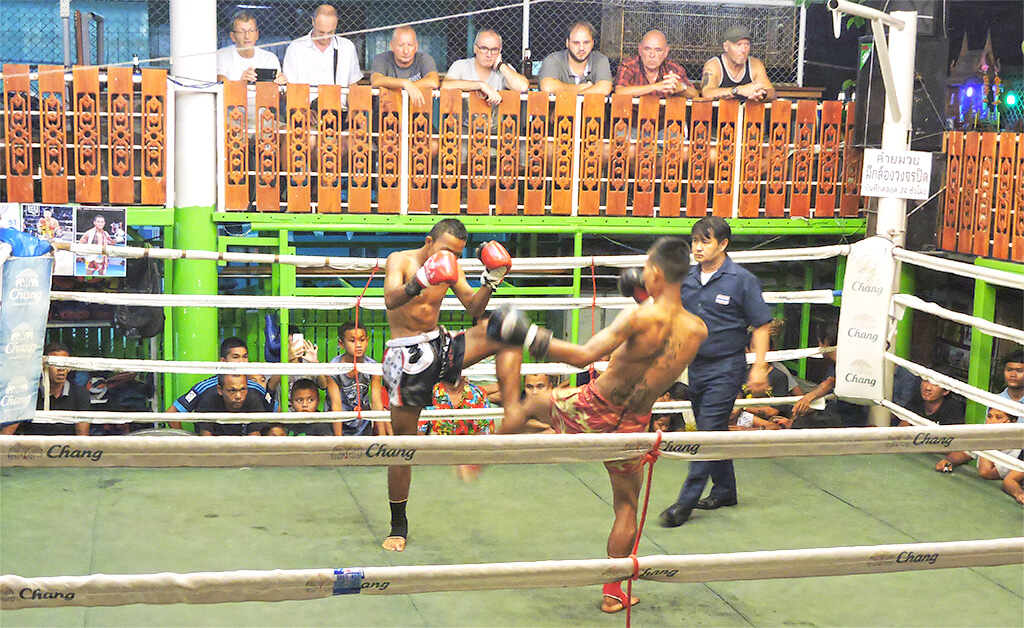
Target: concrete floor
<point x="74" y="522"/>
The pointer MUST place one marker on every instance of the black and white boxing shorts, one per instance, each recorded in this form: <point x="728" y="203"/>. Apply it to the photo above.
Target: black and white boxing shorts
<point x="412" y="365"/>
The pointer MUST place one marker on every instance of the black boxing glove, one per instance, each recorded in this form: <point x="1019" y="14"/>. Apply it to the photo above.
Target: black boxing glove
<point x="509" y="325"/>
<point x="631" y="284"/>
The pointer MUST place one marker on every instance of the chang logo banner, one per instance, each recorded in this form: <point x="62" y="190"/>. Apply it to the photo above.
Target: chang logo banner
<point x="24" y="306"/>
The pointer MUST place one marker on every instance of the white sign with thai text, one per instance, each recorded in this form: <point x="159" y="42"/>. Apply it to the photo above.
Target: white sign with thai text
<point x="896" y="174"/>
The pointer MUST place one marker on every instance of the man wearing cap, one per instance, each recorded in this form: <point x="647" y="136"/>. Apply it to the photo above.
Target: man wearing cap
<point x="736" y="74"/>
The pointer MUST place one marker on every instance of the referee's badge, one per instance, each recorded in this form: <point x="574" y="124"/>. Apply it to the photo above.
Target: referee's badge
<point x="722" y="299"/>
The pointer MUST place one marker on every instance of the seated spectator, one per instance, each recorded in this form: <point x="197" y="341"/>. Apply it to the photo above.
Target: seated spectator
<point x="987" y="469"/>
<point x="671" y="421"/>
<point x="1013" y="375"/>
<point x="305" y="397"/>
<point x="780" y="384"/>
<point x="233" y="394"/>
<point x="736" y="74"/>
<point x="837" y="413"/>
<point x="485" y="72"/>
<point x="300" y="350"/>
<point x="579" y="68"/>
<point x="274" y="429"/>
<point x="64" y="395"/>
<point x="1013" y="485"/>
<point x="405" y="67"/>
<point x="344" y="393"/>
<point x="460" y="396"/>
<point x="652" y="72"/>
<point x="240" y="61"/>
<point x="537" y="384"/>
<point x="936" y="404"/>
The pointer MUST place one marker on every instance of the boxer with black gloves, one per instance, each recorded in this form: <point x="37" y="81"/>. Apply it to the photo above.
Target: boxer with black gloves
<point x="421" y="353"/>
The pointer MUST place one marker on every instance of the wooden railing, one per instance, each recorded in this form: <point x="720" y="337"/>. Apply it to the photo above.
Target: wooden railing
<point x="77" y="143"/>
<point x="542" y="155"/>
<point x="983" y="209"/>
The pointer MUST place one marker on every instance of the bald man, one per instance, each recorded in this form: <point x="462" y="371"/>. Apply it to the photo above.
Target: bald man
<point x="652" y="72"/>
<point x="321" y="57"/>
<point x="405" y="67"/>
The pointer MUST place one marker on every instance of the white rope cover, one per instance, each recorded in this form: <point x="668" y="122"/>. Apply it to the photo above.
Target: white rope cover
<point x="990" y="275"/>
<point x="332" y="368"/>
<point x="975" y="394"/>
<point x="330" y="451"/>
<point x="361" y="264"/>
<point x="307" y="584"/>
<point x="1014" y="463"/>
<point x="992" y="329"/>
<point x="377" y="303"/>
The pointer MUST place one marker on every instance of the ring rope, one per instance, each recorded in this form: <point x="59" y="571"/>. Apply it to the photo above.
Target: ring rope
<point x="278" y="585"/>
<point x="355" y="363"/>
<point x="593" y="312"/>
<point x="1014" y="463"/>
<point x="993" y="329"/>
<point x="334" y="451"/>
<point x="649" y="460"/>
<point x="974" y="394"/>
<point x="989" y="275"/>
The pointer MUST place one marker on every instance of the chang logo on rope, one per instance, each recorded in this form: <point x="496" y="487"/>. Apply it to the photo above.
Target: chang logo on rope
<point x="26" y="288"/>
<point x="378" y="450"/>
<point x="40" y="594"/>
<point x="22" y="342"/>
<point x="860" y="286"/>
<point x="346" y="452"/>
<point x="928" y="439"/>
<point x="17" y="394"/>
<point x="911" y="557"/>
<point x="24" y="452"/>
<point x="860" y="373"/>
<point x="63" y="451"/>
<point x="681" y="448"/>
<point x="664" y="573"/>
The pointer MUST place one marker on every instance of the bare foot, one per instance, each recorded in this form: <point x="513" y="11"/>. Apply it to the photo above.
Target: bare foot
<point x="394" y="543"/>
<point x="613" y="604"/>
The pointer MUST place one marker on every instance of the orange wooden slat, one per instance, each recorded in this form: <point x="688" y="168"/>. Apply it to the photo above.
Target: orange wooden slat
<point x="1003" y="203"/>
<point x="674" y="157"/>
<point x="983" y="205"/>
<point x="86" y="89"/>
<point x="120" y="136"/>
<point x="329" y="143"/>
<point x="561" y="162"/>
<point x="803" y="158"/>
<point x="360" y="152"/>
<point x="420" y="166"/>
<point x="478" y="164"/>
<point x="751" y="159"/>
<point x="646" y="155"/>
<point x="389" y="196"/>
<point x="619" y="140"/>
<point x="449" y="153"/>
<point x="53" y="135"/>
<point x="506" y="195"/>
<point x="591" y="155"/>
<point x="725" y="165"/>
<point x="828" y="159"/>
<point x="236" y="145"/>
<point x="954" y="191"/>
<point x="777" y="178"/>
<point x="268" y="147"/>
<point x="18" y="133"/>
<point x="853" y="157"/>
<point x="536" y="177"/>
<point x="1017" y="215"/>
<point x="154" y="136"/>
<point x="700" y="146"/>
<point x="298" y="166"/>
<point x="968" y="203"/>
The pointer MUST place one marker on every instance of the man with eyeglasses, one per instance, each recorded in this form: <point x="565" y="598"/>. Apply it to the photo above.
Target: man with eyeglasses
<point x="321" y="57"/>
<point x="652" y="72"/>
<point x="579" y="68"/>
<point x="485" y="72"/>
<point x="240" y="61"/>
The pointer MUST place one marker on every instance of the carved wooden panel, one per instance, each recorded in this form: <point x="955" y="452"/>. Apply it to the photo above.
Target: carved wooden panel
<point x="803" y="158"/>
<point x="619" y="140"/>
<point x="120" y="136"/>
<point x="983" y="205"/>
<point x="828" y="159"/>
<point x="389" y="146"/>
<point x="674" y="157"/>
<point x="645" y="172"/>
<point x="777" y="177"/>
<point x="725" y="166"/>
<point x="700" y="146"/>
<point x="298" y="166"/>
<point x="591" y="155"/>
<point x="853" y="158"/>
<point x="329" y="143"/>
<point x="236" y="145"/>
<point x="536" y="176"/>
<point x="420" y="168"/>
<point x="268" y="147"/>
<point x="968" y="202"/>
<point x="449" y="157"/>
<point x="360" y="154"/>
<point x="18" y="133"/>
<point x="1017" y="214"/>
<point x="154" y="136"/>
<point x="751" y="159"/>
<point x="86" y="89"/>
<point x="506" y="194"/>
<point x="1003" y="202"/>
<point x="53" y="136"/>
<point x="563" y="133"/>
<point x="954" y="179"/>
<point x="478" y="165"/>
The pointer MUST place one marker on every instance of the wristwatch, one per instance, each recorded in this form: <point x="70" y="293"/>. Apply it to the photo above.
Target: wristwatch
<point x="734" y="90"/>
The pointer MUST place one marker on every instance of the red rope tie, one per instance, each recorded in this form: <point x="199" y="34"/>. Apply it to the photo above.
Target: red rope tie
<point x="593" y="312"/>
<point x="355" y="362"/>
<point x="649" y="459"/>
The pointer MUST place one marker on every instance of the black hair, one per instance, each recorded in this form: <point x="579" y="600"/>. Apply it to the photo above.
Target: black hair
<point x="222" y="378"/>
<point x="827" y="332"/>
<point x="711" y="227"/>
<point x="229" y="343"/>
<point x="1013" y="356"/>
<point x="452" y="226"/>
<point x="266" y="428"/>
<point x="348" y="326"/>
<point x="305" y="384"/>
<point x="672" y="255"/>
<point x="54" y="347"/>
<point x="294" y="329"/>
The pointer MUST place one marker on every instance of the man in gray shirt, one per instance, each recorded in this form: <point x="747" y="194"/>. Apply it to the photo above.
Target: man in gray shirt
<point x="485" y="72"/>
<point x="404" y="67"/>
<point x="579" y="68"/>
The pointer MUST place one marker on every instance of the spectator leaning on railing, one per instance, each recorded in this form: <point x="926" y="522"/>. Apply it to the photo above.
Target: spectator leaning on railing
<point x="579" y="68"/>
<point x="736" y="74"/>
<point x="652" y="72"/>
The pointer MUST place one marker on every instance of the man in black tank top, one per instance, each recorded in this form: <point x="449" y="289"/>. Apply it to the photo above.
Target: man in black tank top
<point x="735" y="74"/>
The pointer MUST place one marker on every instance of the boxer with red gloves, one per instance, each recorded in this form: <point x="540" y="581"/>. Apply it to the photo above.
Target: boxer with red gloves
<point x="420" y="353"/>
<point x="631" y="284"/>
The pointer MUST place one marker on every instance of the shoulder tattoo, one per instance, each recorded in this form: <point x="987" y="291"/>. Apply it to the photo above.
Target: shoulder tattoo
<point x="705" y="80"/>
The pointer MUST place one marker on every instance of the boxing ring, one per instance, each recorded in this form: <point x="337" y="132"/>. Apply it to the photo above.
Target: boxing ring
<point x="151" y="452"/>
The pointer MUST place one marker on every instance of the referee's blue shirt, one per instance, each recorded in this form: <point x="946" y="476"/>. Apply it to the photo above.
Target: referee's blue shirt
<point x="729" y="303"/>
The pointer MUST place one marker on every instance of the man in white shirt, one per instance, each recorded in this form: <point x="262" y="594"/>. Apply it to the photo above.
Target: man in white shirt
<point x="485" y="72"/>
<point x="240" y="61"/>
<point x="321" y="57"/>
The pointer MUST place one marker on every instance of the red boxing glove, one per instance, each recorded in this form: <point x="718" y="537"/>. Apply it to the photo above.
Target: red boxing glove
<point x="631" y="284"/>
<point x="441" y="267"/>
<point x="496" y="261"/>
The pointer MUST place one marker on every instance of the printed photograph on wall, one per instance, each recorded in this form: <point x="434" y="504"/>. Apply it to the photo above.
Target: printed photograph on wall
<point x="55" y="223"/>
<point x="101" y="226"/>
<point x="10" y="215"/>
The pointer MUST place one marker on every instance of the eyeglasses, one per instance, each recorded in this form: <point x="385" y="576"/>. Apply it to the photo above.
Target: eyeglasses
<point x="248" y="31"/>
<point x="488" y="51"/>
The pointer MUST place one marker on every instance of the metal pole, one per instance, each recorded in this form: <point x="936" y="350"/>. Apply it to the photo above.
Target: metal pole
<point x="526" y="35"/>
<point x="65" y="18"/>
<point x="801" y="47"/>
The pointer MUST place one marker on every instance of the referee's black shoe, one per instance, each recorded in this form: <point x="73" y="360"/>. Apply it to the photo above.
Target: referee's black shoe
<point x="675" y="516"/>
<point x="711" y="503"/>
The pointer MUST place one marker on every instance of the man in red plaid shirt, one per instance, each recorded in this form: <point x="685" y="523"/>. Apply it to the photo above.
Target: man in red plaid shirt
<point x="652" y="72"/>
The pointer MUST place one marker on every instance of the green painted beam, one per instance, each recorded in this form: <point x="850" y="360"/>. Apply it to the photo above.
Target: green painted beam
<point x="978" y="372"/>
<point x="908" y="285"/>
<point x="996" y="264"/>
<point x="150" y="216"/>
